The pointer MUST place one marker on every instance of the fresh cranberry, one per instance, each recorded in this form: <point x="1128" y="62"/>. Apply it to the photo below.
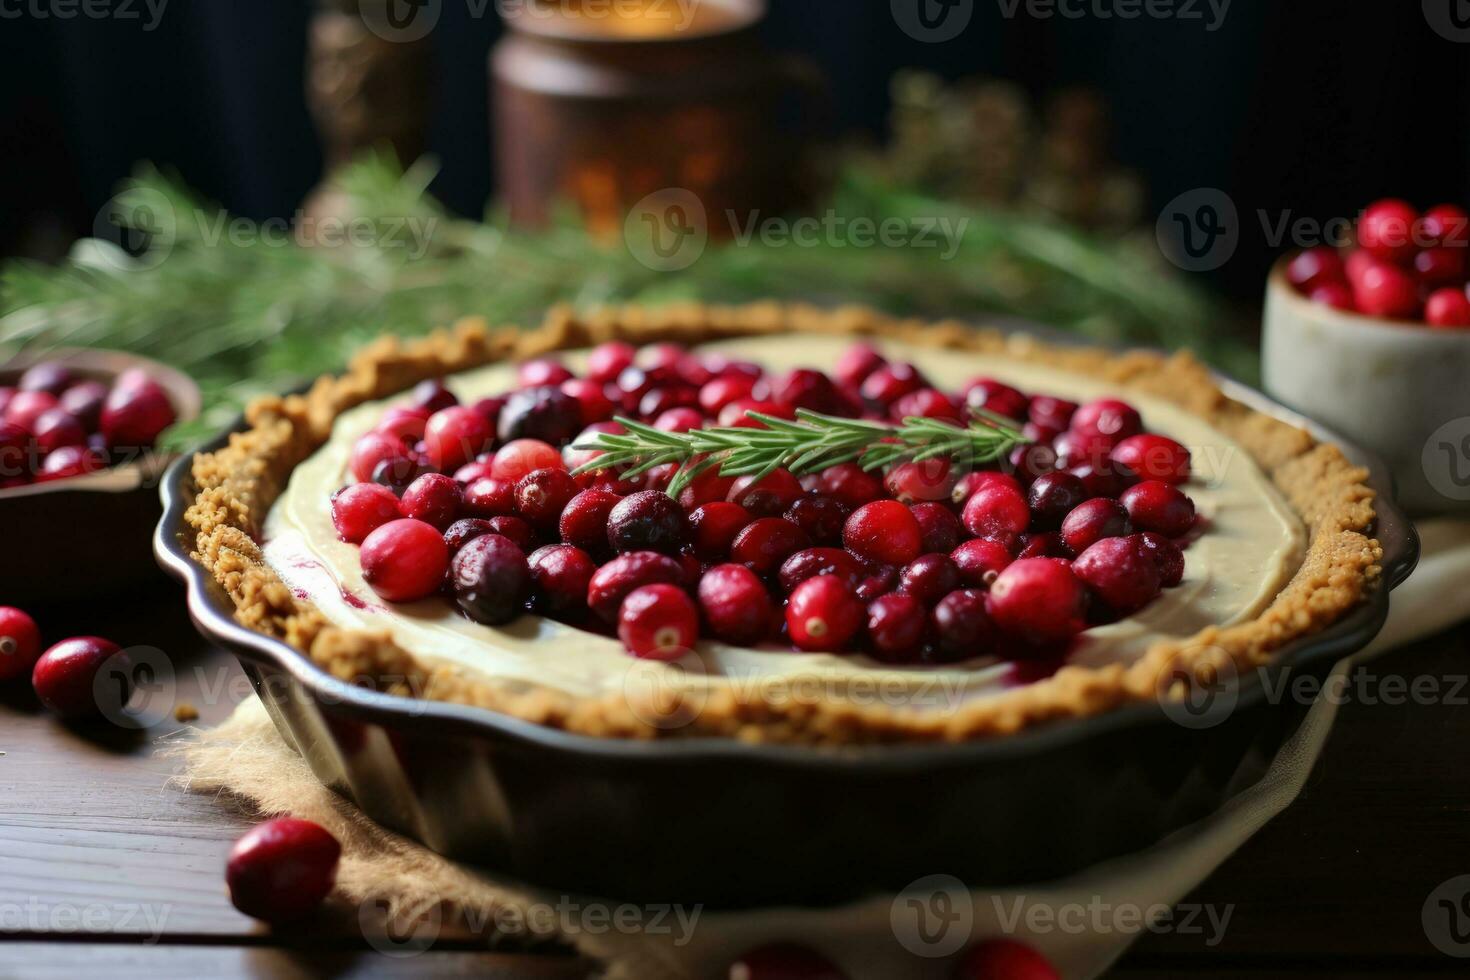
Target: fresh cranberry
<point x="880" y="580"/>
<point x="489" y="409"/>
<point x="849" y="483"/>
<point x="27" y="406"/>
<point x="1357" y="263"/>
<point x="679" y="420"/>
<point x="926" y="403"/>
<point x="66" y="678"/>
<point x="541" y="372"/>
<point x="1166" y="555"/>
<point x="1315" y="267"/>
<point x="713" y="527"/>
<point x="896" y="626"/>
<point x="1104" y="478"/>
<point x="1004" y="959"/>
<point x="823" y="614"/>
<point x="1440" y="266"/>
<point x="980" y="561"/>
<point x="613" y="581"/>
<point x="1053" y="496"/>
<point x="706" y="488"/>
<point x="406" y="423"/>
<point x="370" y="450"/>
<point x="282" y="869"/>
<point x="7" y="394"/>
<point x="735" y="604"/>
<point x="1091" y="521"/>
<point x="134" y="418"/>
<point x="765" y="543"/>
<point x="722" y="391"/>
<point x="15" y="451"/>
<point x="783" y="961"/>
<point x="941" y="528"/>
<point x="433" y="395"/>
<point x="993" y="396"/>
<point x="521" y="456"/>
<point x="929" y="578"/>
<point x="1157" y="506"/>
<point x="665" y="354"/>
<point x="962" y="627"/>
<point x="404" y="560"/>
<point x="461" y="533"/>
<point x="1031" y="461"/>
<point x="1054" y="413"/>
<point x="1154" y="457"/>
<point x="1046" y="544"/>
<point x="480" y="469"/>
<point x="857" y="362"/>
<point x="592" y="402"/>
<point x="70" y="461"/>
<point x="1445" y="224"/>
<point x="1107" y="419"/>
<point x="820" y="517"/>
<point x="608" y="360"/>
<point x="398" y="472"/>
<point x="635" y="382"/>
<point x="542" y="495"/>
<point x="548" y="414"/>
<point x="583" y="520"/>
<point x="1038" y="600"/>
<point x="433" y="498"/>
<point x="1074" y="448"/>
<point x="647" y="521"/>
<point x="973" y="482"/>
<point x="891" y="382"/>
<point x="491" y="579"/>
<point x="1334" y="294"/>
<point x="1447" y="307"/>
<point x="20" y="643"/>
<point x="519" y="532"/>
<point x="811" y="562"/>
<point x="658" y="622"/>
<point x="55" y="428"/>
<point x="738" y="413"/>
<point x="560" y="574"/>
<point x="721" y="366"/>
<point x="928" y="480"/>
<point x="1120" y="572"/>
<point x="84" y="400"/>
<point x="770" y="496"/>
<point x="808" y="389"/>
<point x="361" y="509"/>
<point x="1387" y="291"/>
<point x="661" y="400"/>
<point x="51" y="377"/>
<point x="489" y="497"/>
<point x="884" y="531"/>
<point x="1386" y="230"/>
<point x="996" y="512"/>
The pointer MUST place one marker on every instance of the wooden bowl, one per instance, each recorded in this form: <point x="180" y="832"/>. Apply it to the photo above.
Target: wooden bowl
<point x="93" y="533"/>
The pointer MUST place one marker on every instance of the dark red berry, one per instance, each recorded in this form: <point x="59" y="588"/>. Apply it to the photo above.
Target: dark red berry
<point x="404" y="560"/>
<point x="764" y="544"/>
<point x="70" y="461"/>
<point x="1386" y="230"/>
<point x="372" y="449"/>
<point x="361" y="509"/>
<point x="1108" y="420"/>
<point x="929" y="578"/>
<point x="489" y="497"/>
<point x="897" y="624"/>
<point x="433" y="395"/>
<point x="1448" y="307"/>
<point x="884" y="531"/>
<point x="1153" y="457"/>
<point x="721" y="391"/>
<point x="613" y="581"/>
<point x="1004" y="959"/>
<point x="1337" y="295"/>
<point x="806" y="388"/>
<point x="973" y="482"/>
<point x="824" y="614"/>
<point x="1047" y="544"/>
<point x="770" y="496"/>
<point x="491" y="579"/>
<point x="55" y="428"/>
<point x="547" y="414"/>
<point x="134" y="417"/>
<point x="51" y="377"/>
<point x="713" y="527"/>
<point x="735" y="604"/>
<point x="540" y="372"/>
<point x="282" y="870"/>
<point x="1386" y="290"/>
<point x="848" y="483"/>
<point x="25" y="407"/>
<point x="661" y="400"/>
<point x="542" y="495"/>
<point x="647" y="521"/>
<point x="20" y="643"/>
<point x="1445" y="224"/>
<point x="397" y="473"/>
<point x="679" y="420"/>
<point x="705" y="488"/>
<point x="980" y="561"/>
<point x="461" y="533"/>
<point x="1053" y="496"/>
<point x="1038" y="600"/>
<point x="737" y="413"/>
<point x="1104" y="478"/>
<point x="456" y="435"/>
<point x="514" y="528"/>
<point x="66" y="678"/>
<point x="926" y="403"/>
<point x="1121" y="572"/>
<point x="811" y="562"/>
<point x="1315" y="267"/>
<point x="1166" y="555"/>
<point x="1053" y="413"/>
<point x="993" y="396"/>
<point x="1157" y="506"/>
<point x="1440" y="266"/>
<point x="891" y="382"/>
<point x="584" y="520"/>
<point x="658" y="622"/>
<point x="822" y="518"/>
<point x="608" y="360"/>
<point x="1031" y="461"/>
<point x="997" y="513"/>
<point x="434" y="499"/>
<point x="880" y="580"/>
<point x="560" y="574"/>
<point x="916" y="482"/>
<point x="941" y="528"/>
<point x="592" y="401"/>
<point x="857" y="362"/>
<point x="962" y="627"/>
<point x="406" y="423"/>
<point x="517" y="458"/>
<point x="1093" y="520"/>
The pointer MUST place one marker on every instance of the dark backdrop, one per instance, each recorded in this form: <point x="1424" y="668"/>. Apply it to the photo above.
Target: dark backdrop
<point x="1312" y="106"/>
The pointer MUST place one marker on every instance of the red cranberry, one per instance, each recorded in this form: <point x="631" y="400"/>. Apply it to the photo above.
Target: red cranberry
<point x="433" y="395"/>
<point x="27" y="406"/>
<point x="1053" y="496"/>
<point x="661" y="400"/>
<point x="737" y="414"/>
<point x="608" y="360"/>
<point x="1445" y="224"/>
<point x="282" y="870"/>
<point x="929" y="480"/>
<point x="1315" y="267"/>
<point x="480" y="469"/>
<point x="66" y="678"/>
<point x="55" y="428"/>
<point x="1032" y="461"/>
<point x="979" y="561"/>
<point x="361" y="509"/>
<point x="705" y="488"/>
<point x="461" y="533"/>
<point x="884" y="531"/>
<point x="896" y="626"/>
<point x="51" y="377"/>
<point x="521" y="456"/>
<point x="1120" y="572"/>
<point x="1166" y="555"/>
<point x="926" y="403"/>
<point x="820" y="517"/>
<point x="770" y="496"/>
<point x="1047" y="544"/>
<point x="941" y="529"/>
<point x="519" y="532"/>
<point x="20" y="643"/>
<point x="722" y="391"/>
<point x="849" y="483"/>
<point x="1038" y="600"/>
<point x="84" y="400"/>
<point x="370" y="450"/>
<point x="560" y="574"/>
<point x="823" y="614"/>
<point x="783" y="961"/>
<point x="647" y="521"/>
<point x="663" y="355"/>
<point x="584" y="519"/>
<point x="1054" y="413"/>
<point x="891" y="382"/>
<point x="542" y="495"/>
<point x="857" y="362"/>
<point x="735" y="604"/>
<point x="993" y="396"/>
<point x="404" y="560"/>
<point x="548" y="414"/>
<point x="1105" y="478"/>
<point x="489" y="497"/>
<point x="70" y="461"/>
<point x="808" y="389"/>
<point x="1004" y="959"/>
<point x="434" y="499"/>
<point x="1440" y="266"/>
<point x="540" y="372"/>
<point x="658" y="622"/>
<point x="489" y="409"/>
<point x="491" y="579"/>
<point x="972" y="483"/>
<point x="929" y="578"/>
<point x="7" y="393"/>
<point x="406" y="423"/>
<point x="1446" y="308"/>
<point x="1107" y="419"/>
<point x="1074" y="448"/>
<point x="811" y="562"/>
<point x="1386" y="230"/>
<point x="996" y="512"/>
<point x="398" y="472"/>
<point x="592" y="402"/>
<point x="1154" y="457"/>
<point x="962" y="627"/>
<point x="134" y="418"/>
<point x="613" y="581"/>
<point x="713" y="527"/>
<point x="1334" y="294"/>
<point x="679" y="420"/>
<point x="1387" y="291"/>
<point x="1093" y="520"/>
<point x="765" y="543"/>
<point x="1157" y="506"/>
<point x="15" y="451"/>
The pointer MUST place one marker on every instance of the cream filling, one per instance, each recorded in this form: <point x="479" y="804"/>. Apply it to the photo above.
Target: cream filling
<point x="1252" y="545"/>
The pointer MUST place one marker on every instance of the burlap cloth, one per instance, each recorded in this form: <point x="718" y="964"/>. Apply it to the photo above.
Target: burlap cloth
<point x="409" y="898"/>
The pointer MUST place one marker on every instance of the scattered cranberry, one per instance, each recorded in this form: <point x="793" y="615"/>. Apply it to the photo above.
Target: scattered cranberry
<point x="1386" y="230"/>
<point x="713" y="527"/>
<point x="404" y="560"/>
<point x="542" y="495"/>
<point x="647" y="521"/>
<point x="880" y="580"/>
<point x="962" y="627"/>
<point x="361" y="509"/>
<point x="613" y="581"/>
<point x="1053" y="496"/>
<point x="822" y="518"/>
<point x="737" y="414"/>
<point x="560" y="574"/>
<point x="406" y="423"/>
<point x="1104" y="478"/>
<point x="66" y="678"/>
<point x="929" y="578"/>
<point x="972" y="483"/>
<point x="1093" y="520"/>
<point x="857" y="362"/>
<point x="679" y="420"/>
<point x="1166" y="555"/>
<point x="521" y="456"/>
<point x="885" y="531"/>
<point x="722" y="391"/>
<point x="735" y="604"/>
<point x="433" y="498"/>
<point x="1157" y="506"/>
<point x="610" y="359"/>
<point x="592" y="402"/>
<point x="662" y="400"/>
<point x="993" y="396"/>
<point x="1038" y="600"/>
<point x="282" y="870"/>
<point x="980" y="561"/>
<point x="707" y="487"/>
<point x="20" y="643"/>
<point x="1107" y="419"/>
<point x="849" y="484"/>
<point x="547" y="414"/>
<point x="997" y="513"/>
<point x="1032" y="461"/>
<point x="491" y="579"/>
<point x="456" y="435"/>
<point x="765" y="543"/>
<point x="897" y="624"/>
<point x="14" y="451"/>
<point x="398" y="472"/>
<point x="1004" y="959"/>
<point x="135" y="417"/>
<point x="370" y="450"/>
<point x="541" y="372"/>
<point x="941" y="528"/>
<point x="583" y="521"/>
<point x="490" y="497"/>
<point x="658" y="622"/>
<point x="770" y="496"/>
<point x="1447" y="307"/>
<point x="1154" y="457"/>
<point x="915" y="482"/>
<point x="1120" y="572"/>
<point x="823" y="614"/>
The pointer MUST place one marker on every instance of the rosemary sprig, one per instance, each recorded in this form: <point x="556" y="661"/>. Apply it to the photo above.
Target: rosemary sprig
<point x="812" y="442"/>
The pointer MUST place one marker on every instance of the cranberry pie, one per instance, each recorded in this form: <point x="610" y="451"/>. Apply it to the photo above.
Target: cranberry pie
<point x="778" y="523"/>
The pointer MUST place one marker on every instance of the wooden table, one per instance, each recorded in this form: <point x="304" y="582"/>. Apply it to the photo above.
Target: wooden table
<point x="105" y="867"/>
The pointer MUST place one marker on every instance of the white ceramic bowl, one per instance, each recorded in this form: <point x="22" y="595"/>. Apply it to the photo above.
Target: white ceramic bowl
<point x="1399" y="389"/>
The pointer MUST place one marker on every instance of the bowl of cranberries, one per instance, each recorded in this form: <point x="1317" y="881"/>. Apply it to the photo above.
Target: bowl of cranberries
<point x="80" y="465"/>
<point x="1373" y="340"/>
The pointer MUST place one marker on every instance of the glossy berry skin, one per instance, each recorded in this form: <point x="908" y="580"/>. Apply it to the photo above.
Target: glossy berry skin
<point x="1092" y="521"/>
<point x="1033" y="461"/>
<point x="540" y="372"/>
<point x="1445" y="224"/>
<point x="1038" y="600"/>
<point x="679" y="420"/>
<point x="461" y="533"/>
<point x="962" y="627"/>
<point x="856" y="363"/>
<point x="1440" y="266"/>
<point x="361" y="509"/>
<point x="1004" y="959"/>
<point x="822" y="518"/>
<point x="1447" y="307"/>
<point x="1157" y="506"/>
<point x="911" y="483"/>
<point x="613" y="581"/>
<point x="707" y="487"/>
<point x="765" y="543"/>
<point x="398" y="472"/>
<point x="608" y="360"/>
<point x="770" y="496"/>
<point x="1154" y="457"/>
<point x="737" y="413"/>
<point x="70" y="461"/>
<point x="1046" y="544"/>
<point x="897" y="624"/>
<point x="521" y="456"/>
<point x="880" y="580"/>
<point x="972" y="483"/>
<point x="658" y="622"/>
<point x="783" y="961"/>
<point x="65" y="678"/>
<point x="560" y="574"/>
<point x="404" y="560"/>
<point x="491" y="579"/>
<point x="542" y="495"/>
<point x="926" y="403"/>
<point x="647" y="521"/>
<point x="891" y="382"/>
<point x="811" y="562"/>
<point x="1106" y="419"/>
<point x="979" y="561"/>
<point x="1386" y="230"/>
<point x="25" y="407"/>
<point x="884" y="531"/>
<point x="1166" y="555"/>
<point x="20" y="643"/>
<point x="1315" y="267"/>
<point x="433" y="395"/>
<point x="736" y="607"/>
<point x="1337" y="295"/>
<point x="997" y="397"/>
<point x="997" y="513"/>
<point x="1104" y="478"/>
<point x="15" y="451"/>
<point x="848" y="483"/>
<point x="51" y="377"/>
<point x="489" y="497"/>
<point x="941" y="528"/>
<point x="519" y="532"/>
<point x="133" y="418"/>
<point x="1053" y="496"/>
<point x="1387" y="291"/>
<point x="282" y="870"/>
<point x="548" y="414"/>
<point x="806" y="388"/>
<point x="433" y="498"/>
<point x="1051" y="412"/>
<point x="583" y="521"/>
<point x="372" y="449"/>
<point x="929" y="578"/>
<point x="824" y="614"/>
<point x="713" y="527"/>
<point x="456" y="435"/>
<point x="592" y="401"/>
<point x="55" y="428"/>
<point x="722" y="391"/>
<point x="1119" y="572"/>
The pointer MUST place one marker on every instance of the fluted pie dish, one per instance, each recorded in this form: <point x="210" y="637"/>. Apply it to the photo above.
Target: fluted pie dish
<point x="1085" y="542"/>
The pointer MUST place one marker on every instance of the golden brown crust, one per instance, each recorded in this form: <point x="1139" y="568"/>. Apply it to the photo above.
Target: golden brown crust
<point x="237" y="485"/>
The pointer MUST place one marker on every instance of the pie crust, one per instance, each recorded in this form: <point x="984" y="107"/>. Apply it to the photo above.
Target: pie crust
<point x="237" y="485"/>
